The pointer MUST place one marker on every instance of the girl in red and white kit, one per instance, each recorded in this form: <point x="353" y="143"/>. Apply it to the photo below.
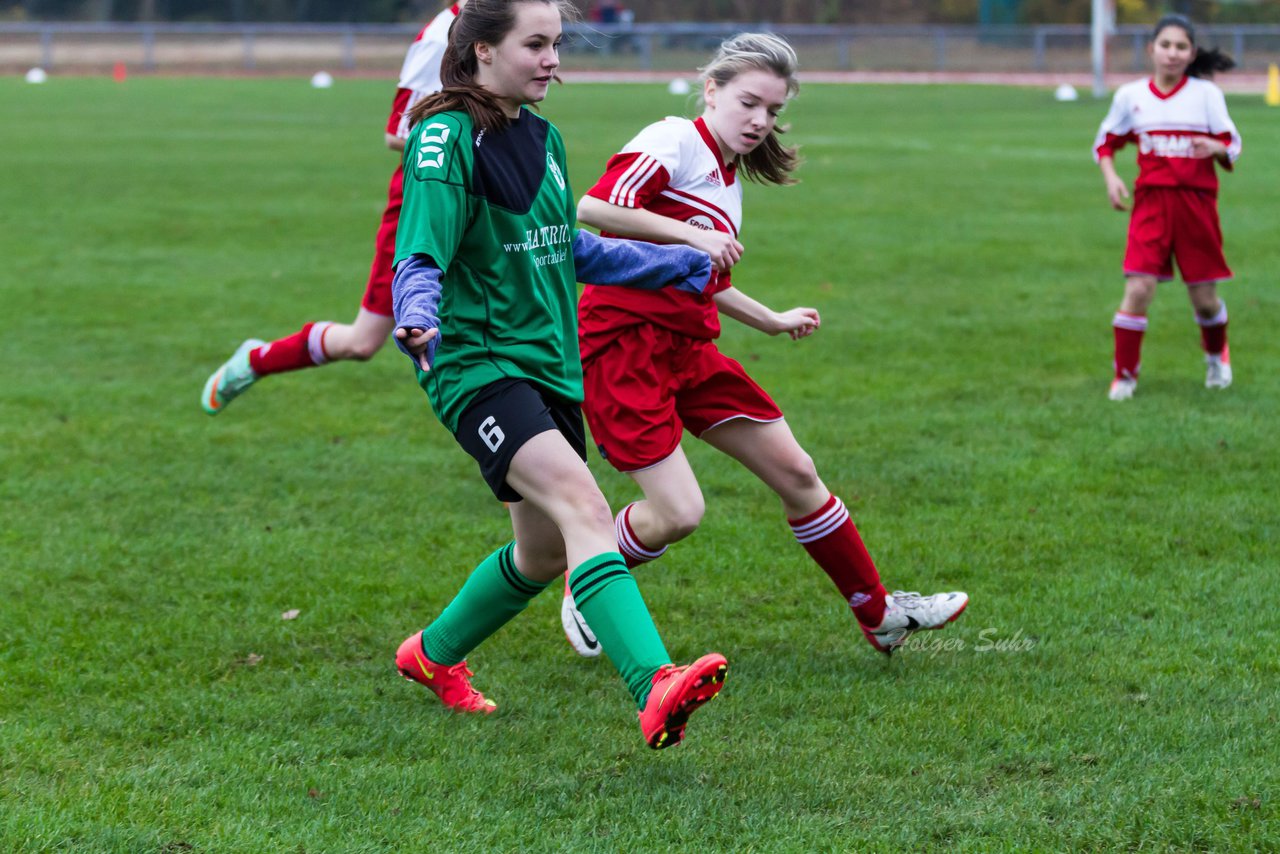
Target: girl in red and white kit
<point x="1181" y="127"/>
<point x="650" y="363"/>
<point x="322" y="342"/>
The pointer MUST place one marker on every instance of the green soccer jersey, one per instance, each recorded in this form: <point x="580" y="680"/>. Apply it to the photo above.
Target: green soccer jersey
<point x="494" y="211"/>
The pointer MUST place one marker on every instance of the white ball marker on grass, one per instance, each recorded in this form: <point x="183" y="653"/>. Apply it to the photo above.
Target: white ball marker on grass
<point x="1065" y="92"/>
<point x="37" y="75"/>
<point x="679" y="86"/>
<point x="321" y="80"/>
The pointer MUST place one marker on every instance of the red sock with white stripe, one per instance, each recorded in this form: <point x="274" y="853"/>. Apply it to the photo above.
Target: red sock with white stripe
<point x="1213" y="333"/>
<point x="831" y="539"/>
<point x="1129" y="329"/>
<point x="302" y="349"/>
<point x="633" y="551"/>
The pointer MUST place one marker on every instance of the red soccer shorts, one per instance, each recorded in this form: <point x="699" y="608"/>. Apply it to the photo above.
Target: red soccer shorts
<point x="1170" y="223"/>
<point x="648" y="384"/>
<point x="377" y="294"/>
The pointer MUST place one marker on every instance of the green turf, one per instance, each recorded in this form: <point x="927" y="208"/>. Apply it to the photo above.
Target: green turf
<point x="959" y="245"/>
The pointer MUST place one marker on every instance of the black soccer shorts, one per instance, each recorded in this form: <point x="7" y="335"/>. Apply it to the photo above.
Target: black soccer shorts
<point x="505" y="415"/>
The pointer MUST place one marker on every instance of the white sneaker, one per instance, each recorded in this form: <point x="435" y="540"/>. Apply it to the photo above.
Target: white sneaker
<point x="580" y="636"/>
<point x="1122" y="389"/>
<point x="1217" y="370"/>
<point x="905" y="613"/>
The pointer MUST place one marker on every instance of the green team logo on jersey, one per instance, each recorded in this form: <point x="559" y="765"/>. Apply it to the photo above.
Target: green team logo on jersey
<point x="431" y="145"/>
<point x="554" y="168"/>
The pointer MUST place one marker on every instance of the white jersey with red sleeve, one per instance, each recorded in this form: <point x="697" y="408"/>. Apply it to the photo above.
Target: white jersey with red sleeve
<point x="672" y="168"/>
<point x="420" y="74"/>
<point x="1163" y="126"/>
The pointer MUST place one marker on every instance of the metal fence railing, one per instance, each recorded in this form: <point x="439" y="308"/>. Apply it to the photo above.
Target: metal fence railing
<point x="376" y="48"/>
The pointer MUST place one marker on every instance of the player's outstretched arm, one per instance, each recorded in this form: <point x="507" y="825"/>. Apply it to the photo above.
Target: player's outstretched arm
<point x="637" y="264"/>
<point x="647" y="225"/>
<point x="797" y="322"/>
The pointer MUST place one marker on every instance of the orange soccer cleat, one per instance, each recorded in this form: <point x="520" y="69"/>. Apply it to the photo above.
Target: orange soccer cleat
<point x="677" y="693"/>
<point x="451" y="684"/>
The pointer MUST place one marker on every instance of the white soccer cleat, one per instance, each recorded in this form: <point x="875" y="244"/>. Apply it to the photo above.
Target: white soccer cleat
<point x="905" y="613"/>
<point x="580" y="636"/>
<point x="1217" y="370"/>
<point x="1122" y="388"/>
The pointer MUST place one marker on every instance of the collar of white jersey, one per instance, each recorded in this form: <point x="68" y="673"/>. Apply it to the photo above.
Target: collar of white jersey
<point x="1164" y="96"/>
<point x="727" y="170"/>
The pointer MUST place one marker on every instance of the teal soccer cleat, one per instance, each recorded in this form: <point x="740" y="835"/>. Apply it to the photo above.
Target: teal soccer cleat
<point x="231" y="380"/>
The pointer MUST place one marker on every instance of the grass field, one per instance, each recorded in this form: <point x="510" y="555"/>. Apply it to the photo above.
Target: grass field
<point x="1112" y="685"/>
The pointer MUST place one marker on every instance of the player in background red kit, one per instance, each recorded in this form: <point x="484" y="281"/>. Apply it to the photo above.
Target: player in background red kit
<point x="1181" y="127"/>
<point x="322" y="342"/>
<point x="650" y="363"/>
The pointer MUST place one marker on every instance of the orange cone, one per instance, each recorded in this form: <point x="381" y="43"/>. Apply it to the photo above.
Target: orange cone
<point x="119" y="72"/>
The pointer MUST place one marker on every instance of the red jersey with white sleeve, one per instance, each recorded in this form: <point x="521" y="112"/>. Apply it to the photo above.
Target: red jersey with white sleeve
<point x="420" y="74"/>
<point x="672" y="168"/>
<point x="1163" y="126"/>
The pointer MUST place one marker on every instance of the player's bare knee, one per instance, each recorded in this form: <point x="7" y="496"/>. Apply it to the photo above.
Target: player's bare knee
<point x="1138" y="294"/>
<point x="679" y="521"/>
<point x="588" y="505"/>
<point x="798" y="475"/>
<point x="1205" y="302"/>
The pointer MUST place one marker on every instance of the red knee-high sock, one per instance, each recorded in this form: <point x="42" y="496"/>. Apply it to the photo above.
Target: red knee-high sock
<point x="831" y="539"/>
<point x="1129" y="329"/>
<point x="1213" y="332"/>
<point x="302" y="349"/>
<point x="633" y="551"/>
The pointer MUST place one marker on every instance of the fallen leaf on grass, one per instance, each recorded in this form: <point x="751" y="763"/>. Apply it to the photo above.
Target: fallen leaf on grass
<point x="291" y="614"/>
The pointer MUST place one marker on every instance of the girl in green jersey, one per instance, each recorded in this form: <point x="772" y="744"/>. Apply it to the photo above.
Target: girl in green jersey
<point x="485" y="293"/>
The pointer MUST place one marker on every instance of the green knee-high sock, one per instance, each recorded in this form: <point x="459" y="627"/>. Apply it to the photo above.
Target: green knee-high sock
<point x="493" y="594"/>
<point x="609" y="599"/>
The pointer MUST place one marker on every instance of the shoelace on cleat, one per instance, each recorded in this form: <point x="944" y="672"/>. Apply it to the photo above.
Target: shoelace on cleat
<point x="459" y="669"/>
